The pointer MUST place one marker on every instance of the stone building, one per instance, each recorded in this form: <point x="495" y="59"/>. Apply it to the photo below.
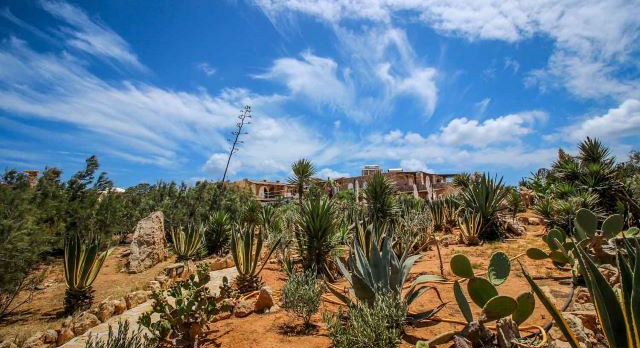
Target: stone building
<point x="267" y="191"/>
<point x="421" y="184"/>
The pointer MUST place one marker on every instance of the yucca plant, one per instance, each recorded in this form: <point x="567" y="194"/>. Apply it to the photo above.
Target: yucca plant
<point x="246" y="248"/>
<point x="317" y="235"/>
<point x="383" y="273"/>
<point x="470" y="227"/>
<point x="217" y="232"/>
<point x="187" y="243"/>
<point x="485" y="196"/>
<point x="82" y="263"/>
<point x="382" y="203"/>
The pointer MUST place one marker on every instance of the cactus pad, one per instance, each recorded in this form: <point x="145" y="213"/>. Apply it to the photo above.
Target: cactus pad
<point x="481" y="291"/>
<point x="499" y="268"/>
<point x="462" y="302"/>
<point x="536" y="254"/>
<point x="586" y="224"/>
<point x="526" y="305"/>
<point x="461" y="266"/>
<point x="498" y="307"/>
<point x="612" y="226"/>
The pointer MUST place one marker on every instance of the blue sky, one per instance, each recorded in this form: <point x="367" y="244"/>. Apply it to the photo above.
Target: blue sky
<point x="154" y="89"/>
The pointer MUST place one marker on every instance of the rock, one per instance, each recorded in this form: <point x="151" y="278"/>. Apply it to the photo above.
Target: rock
<point x="589" y="319"/>
<point x="105" y="310"/>
<point x="222" y="316"/>
<point x="534" y="221"/>
<point x="243" y="308"/>
<point x="154" y="285"/>
<point x="461" y="342"/>
<point x="84" y="322"/>
<point x="125" y="253"/>
<point x="229" y="260"/>
<point x="586" y="307"/>
<point x="135" y="298"/>
<point x="35" y="341"/>
<point x="50" y="336"/>
<point x="217" y="264"/>
<point x="148" y="246"/>
<point x="582" y="295"/>
<point x="119" y="306"/>
<point x="65" y="335"/>
<point x="163" y="280"/>
<point x="264" y="300"/>
<point x="8" y="344"/>
<point x="513" y="228"/>
<point x="576" y="327"/>
<point x="274" y="309"/>
<point x="523" y="220"/>
<point x="128" y="239"/>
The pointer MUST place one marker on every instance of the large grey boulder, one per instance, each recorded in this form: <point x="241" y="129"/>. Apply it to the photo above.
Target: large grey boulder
<point x="148" y="247"/>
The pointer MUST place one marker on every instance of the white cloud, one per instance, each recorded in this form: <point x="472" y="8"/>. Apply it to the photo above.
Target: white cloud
<point x="617" y="124"/>
<point x="217" y="162"/>
<point x="413" y="164"/>
<point x="504" y="129"/>
<point x="207" y="69"/>
<point x="597" y="38"/>
<point x="316" y="78"/>
<point x="481" y="106"/>
<point x="89" y="35"/>
<point x="330" y="173"/>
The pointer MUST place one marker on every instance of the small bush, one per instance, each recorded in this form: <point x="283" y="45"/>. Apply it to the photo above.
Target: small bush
<point x="379" y="326"/>
<point x="301" y="295"/>
<point x="122" y="338"/>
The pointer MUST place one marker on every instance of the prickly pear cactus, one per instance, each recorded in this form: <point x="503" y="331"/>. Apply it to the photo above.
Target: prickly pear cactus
<point x="484" y="291"/>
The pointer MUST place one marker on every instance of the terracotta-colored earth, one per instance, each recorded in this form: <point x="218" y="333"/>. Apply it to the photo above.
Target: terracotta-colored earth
<point x="272" y="330"/>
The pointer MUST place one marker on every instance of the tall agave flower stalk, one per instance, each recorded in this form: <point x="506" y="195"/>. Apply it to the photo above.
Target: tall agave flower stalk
<point x="246" y="248"/>
<point x="82" y="263"/>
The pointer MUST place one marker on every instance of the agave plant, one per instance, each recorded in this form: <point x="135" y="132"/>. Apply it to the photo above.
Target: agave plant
<point x="485" y="196"/>
<point x="82" y="263"/>
<point x="317" y="235"/>
<point x="217" y="232"/>
<point x="383" y="273"/>
<point x="246" y="248"/>
<point x="187" y="243"/>
<point x="470" y="227"/>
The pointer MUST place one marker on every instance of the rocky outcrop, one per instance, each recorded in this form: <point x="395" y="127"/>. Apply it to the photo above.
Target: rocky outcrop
<point x="148" y="246"/>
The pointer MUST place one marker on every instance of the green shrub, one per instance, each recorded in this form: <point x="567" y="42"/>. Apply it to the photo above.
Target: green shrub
<point x="186" y="317"/>
<point x="301" y="295"/>
<point x="378" y="326"/>
<point x="217" y="233"/>
<point x="122" y="338"/>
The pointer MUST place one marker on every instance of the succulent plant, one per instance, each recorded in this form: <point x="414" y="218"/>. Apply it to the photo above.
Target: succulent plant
<point x="246" y="255"/>
<point x="382" y="272"/>
<point x="187" y="243"/>
<point x="484" y="292"/>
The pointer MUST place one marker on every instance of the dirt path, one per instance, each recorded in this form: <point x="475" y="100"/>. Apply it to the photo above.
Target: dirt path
<point x="133" y="314"/>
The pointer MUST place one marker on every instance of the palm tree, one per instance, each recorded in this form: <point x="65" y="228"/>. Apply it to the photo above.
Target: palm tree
<point x="303" y="171"/>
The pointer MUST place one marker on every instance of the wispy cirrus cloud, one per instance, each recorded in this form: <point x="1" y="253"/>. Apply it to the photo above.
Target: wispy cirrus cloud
<point x="90" y="35"/>
<point x="591" y="53"/>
